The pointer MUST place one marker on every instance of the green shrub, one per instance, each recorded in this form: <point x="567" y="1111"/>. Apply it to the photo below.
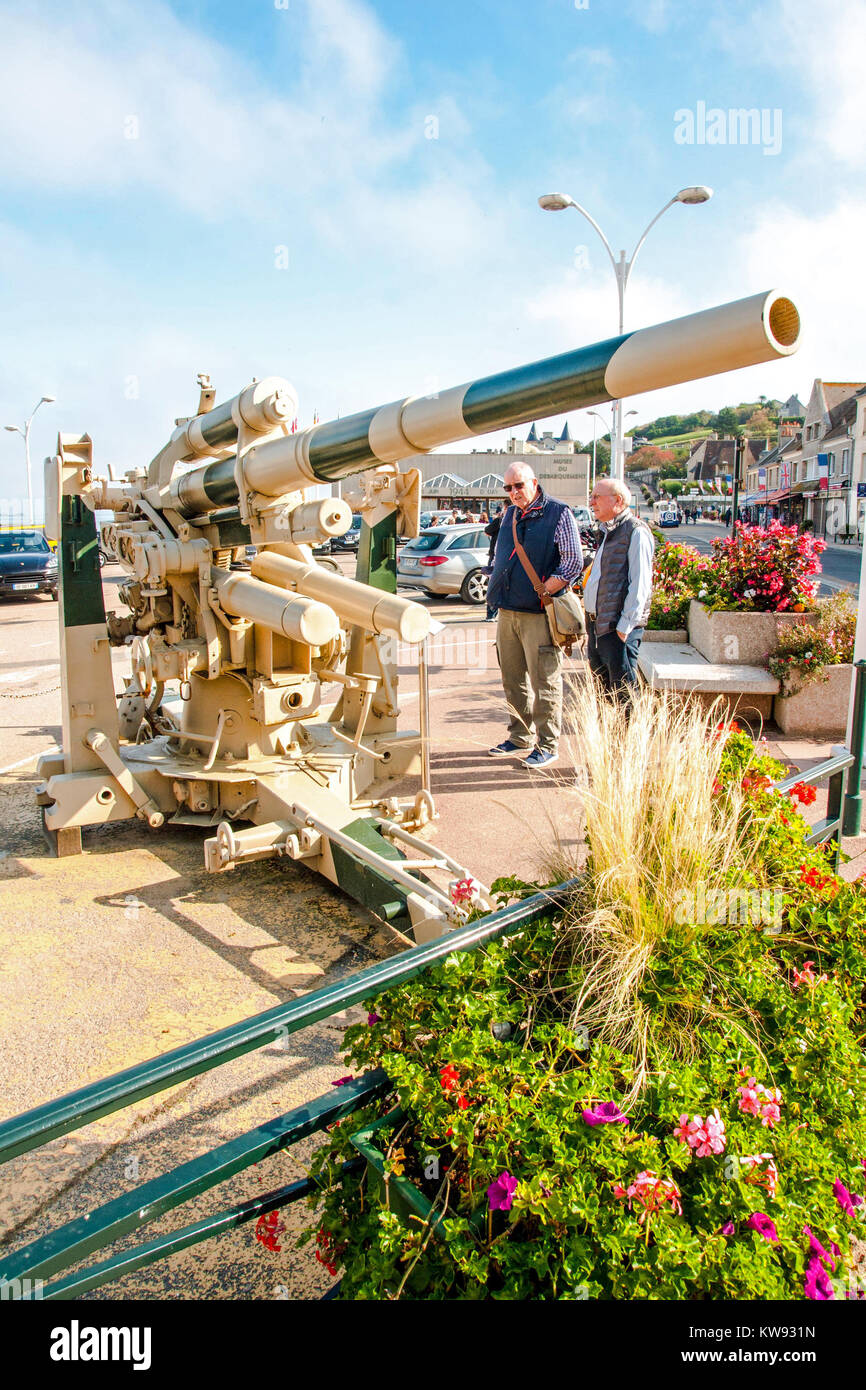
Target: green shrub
<point x="806" y="649"/>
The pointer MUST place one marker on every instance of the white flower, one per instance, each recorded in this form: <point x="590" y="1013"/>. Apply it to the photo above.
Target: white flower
<point x="702" y="593"/>
<point x="801" y="1044"/>
<point x="807" y="656"/>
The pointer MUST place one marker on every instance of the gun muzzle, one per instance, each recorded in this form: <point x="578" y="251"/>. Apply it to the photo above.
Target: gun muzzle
<point x="748" y="331"/>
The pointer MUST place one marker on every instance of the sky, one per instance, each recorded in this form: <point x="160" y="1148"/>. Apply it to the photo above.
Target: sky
<point x="344" y="193"/>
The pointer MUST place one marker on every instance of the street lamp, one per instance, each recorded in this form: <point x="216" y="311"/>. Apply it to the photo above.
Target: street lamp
<point x="556" y="202"/>
<point x="608" y="430"/>
<point x="25" y="433"/>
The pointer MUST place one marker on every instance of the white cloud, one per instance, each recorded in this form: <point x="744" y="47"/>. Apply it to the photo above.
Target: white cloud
<point x="817" y="50"/>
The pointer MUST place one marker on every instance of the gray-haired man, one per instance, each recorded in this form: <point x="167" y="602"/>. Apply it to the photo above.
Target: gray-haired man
<point x="619" y="588"/>
<point x="531" y="664"/>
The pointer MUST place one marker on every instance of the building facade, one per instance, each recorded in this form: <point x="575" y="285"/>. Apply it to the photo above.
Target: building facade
<point x="473" y="482"/>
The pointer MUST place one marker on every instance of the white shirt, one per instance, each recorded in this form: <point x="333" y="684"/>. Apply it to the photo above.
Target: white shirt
<point x="640" y="578"/>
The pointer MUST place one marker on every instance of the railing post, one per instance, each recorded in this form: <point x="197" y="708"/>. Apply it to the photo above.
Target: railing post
<point x="853" y="813"/>
<point x="834" y="813"/>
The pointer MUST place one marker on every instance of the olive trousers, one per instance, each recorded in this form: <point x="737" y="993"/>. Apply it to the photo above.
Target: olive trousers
<point x="531" y="667"/>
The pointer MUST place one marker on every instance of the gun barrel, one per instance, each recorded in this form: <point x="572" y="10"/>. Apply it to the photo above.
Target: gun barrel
<point x="294" y="615"/>
<point x="741" y="334"/>
<point x="359" y="604"/>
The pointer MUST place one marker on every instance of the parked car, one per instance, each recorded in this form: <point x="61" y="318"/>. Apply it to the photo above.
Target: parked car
<point x="350" y="539"/>
<point x="446" y="560"/>
<point x="28" y="565"/>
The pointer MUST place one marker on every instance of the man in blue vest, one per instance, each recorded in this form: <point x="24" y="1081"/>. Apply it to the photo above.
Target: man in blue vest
<point x="619" y="588"/>
<point x="530" y="662"/>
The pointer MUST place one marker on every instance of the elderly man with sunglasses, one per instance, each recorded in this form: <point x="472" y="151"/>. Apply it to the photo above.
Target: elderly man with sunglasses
<point x="531" y="664"/>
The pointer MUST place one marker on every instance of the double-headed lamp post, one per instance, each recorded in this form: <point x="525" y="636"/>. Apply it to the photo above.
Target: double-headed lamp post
<point x="555" y="202"/>
<point x="16" y="429"/>
<point x="595" y="431"/>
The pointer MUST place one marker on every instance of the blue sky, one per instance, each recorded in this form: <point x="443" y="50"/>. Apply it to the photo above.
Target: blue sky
<point x="160" y="163"/>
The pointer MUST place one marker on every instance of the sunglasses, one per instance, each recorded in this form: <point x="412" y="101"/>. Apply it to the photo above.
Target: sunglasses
<point x="513" y="487"/>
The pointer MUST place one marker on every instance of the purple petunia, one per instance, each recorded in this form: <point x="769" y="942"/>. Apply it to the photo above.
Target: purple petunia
<point x="760" y="1222"/>
<point x="374" y="1018"/>
<point x="817" y="1284"/>
<point x="728" y="1228"/>
<point x="500" y="1193"/>
<point x="605" y="1113"/>
<point x="847" y="1200"/>
<point x="816" y="1249"/>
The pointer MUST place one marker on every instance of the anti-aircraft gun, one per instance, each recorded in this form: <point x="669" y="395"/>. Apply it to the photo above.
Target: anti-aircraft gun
<point x="250" y="751"/>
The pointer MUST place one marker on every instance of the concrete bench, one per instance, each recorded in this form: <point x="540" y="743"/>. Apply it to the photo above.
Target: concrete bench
<point x="679" y="667"/>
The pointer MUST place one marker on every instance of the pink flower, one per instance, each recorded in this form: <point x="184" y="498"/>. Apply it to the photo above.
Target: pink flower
<point x="705" y="1137"/>
<point x="847" y="1200"/>
<point x="714" y="1143"/>
<point x="761" y="1223"/>
<point x="343" y="1081"/>
<point x="817" y="1249"/>
<point x="464" y="890"/>
<point x="761" y="1101"/>
<point x="500" y="1193"/>
<point x="652" y="1193"/>
<point x="817" y="1283"/>
<point x="760" y="1170"/>
<point x="728" y="1228"/>
<point x="607" y="1113"/>
<point x="807" y="976"/>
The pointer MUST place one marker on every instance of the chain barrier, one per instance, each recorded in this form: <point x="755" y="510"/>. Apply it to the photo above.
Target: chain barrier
<point x="28" y="694"/>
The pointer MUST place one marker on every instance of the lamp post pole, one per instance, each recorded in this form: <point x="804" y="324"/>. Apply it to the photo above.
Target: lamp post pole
<point x="556" y="202"/>
<point x="25" y="433"/>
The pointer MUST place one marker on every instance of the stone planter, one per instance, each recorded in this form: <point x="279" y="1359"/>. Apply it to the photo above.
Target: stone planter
<point x="738" y="639"/>
<point x="821" y="707"/>
<point x="667" y="634"/>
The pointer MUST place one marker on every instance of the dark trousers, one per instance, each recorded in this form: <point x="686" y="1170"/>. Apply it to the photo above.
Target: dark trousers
<point x="613" y="661"/>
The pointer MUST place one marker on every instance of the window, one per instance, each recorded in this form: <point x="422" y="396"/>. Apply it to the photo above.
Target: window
<point x="831" y="464"/>
<point x="470" y="540"/>
<point x="430" y="540"/>
<point x="845" y="459"/>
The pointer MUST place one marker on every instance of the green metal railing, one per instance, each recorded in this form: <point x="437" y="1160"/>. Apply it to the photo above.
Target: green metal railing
<point x="74" y="1241"/>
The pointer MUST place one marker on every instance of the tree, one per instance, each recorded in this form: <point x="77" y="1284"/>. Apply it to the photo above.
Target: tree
<point x="726" y="422"/>
<point x="649" y="456"/>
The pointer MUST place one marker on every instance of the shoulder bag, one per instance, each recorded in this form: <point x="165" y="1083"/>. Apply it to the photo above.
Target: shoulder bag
<point x="565" y="616"/>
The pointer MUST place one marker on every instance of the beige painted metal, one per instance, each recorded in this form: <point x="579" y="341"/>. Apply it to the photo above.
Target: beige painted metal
<point x="742" y="334"/>
<point x="300" y="618"/>
<point x="355" y="603"/>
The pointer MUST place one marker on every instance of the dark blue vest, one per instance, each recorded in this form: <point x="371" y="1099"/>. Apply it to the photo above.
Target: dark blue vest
<point x="509" y="585"/>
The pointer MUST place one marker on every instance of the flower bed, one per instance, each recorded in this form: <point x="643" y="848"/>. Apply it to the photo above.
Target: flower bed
<point x="646" y="1096"/>
<point x="804" y="653"/>
<point x="760" y="569"/>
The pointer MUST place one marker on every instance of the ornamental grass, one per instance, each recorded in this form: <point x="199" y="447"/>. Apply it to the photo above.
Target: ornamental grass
<point x="654" y="828"/>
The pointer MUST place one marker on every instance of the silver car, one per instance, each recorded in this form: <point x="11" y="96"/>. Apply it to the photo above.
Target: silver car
<point x="447" y="560"/>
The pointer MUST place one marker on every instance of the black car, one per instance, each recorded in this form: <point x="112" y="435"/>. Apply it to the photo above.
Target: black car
<point x="28" y="565"/>
<point x="349" y="540"/>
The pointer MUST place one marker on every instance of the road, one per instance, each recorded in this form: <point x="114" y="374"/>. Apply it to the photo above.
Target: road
<point x="841" y="565"/>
